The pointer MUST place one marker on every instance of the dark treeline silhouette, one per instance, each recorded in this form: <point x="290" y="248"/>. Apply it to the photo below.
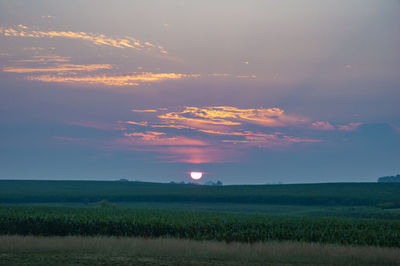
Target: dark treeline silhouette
<point x="344" y="194"/>
<point x="394" y="178"/>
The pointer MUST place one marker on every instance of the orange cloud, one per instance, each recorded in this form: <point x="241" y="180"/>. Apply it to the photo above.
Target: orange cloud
<point x="58" y="68"/>
<point x="97" y="39"/>
<point x="321" y="125"/>
<point x="219" y="75"/>
<point x="229" y="116"/>
<point x="110" y="80"/>
<point x="231" y="133"/>
<point x="170" y="126"/>
<point x="44" y="59"/>
<point x="223" y="126"/>
<point x="137" y="123"/>
<point x="350" y="126"/>
<point x="174" y="117"/>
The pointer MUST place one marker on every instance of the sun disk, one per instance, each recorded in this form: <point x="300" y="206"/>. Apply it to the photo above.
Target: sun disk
<point x="196" y="175"/>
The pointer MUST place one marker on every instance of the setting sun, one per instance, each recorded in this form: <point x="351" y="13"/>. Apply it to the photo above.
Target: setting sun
<point x="196" y="175"/>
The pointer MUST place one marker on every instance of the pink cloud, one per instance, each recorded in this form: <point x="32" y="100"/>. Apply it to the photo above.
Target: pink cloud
<point x="154" y="138"/>
<point x="215" y="133"/>
<point x="137" y="123"/>
<point x="350" y="126"/>
<point x="321" y="125"/>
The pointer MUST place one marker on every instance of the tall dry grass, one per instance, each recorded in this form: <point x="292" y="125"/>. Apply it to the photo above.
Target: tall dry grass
<point x="270" y="252"/>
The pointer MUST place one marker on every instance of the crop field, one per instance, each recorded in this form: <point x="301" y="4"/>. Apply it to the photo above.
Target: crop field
<point x="348" y="217"/>
<point x="61" y="221"/>
<point x="382" y="195"/>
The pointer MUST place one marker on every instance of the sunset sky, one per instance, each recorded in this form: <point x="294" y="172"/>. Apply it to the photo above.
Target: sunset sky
<point x="248" y="92"/>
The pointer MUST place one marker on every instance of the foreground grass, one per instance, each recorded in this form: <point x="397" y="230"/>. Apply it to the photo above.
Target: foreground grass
<point x="29" y="250"/>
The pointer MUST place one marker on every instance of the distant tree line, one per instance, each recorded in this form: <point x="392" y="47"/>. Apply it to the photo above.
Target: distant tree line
<point x="211" y="183"/>
<point x="386" y="195"/>
<point x="394" y="178"/>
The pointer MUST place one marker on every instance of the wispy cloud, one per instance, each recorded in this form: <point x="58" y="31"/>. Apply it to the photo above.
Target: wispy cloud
<point x="228" y="116"/>
<point x="134" y="79"/>
<point x="322" y="125"/>
<point x="144" y="111"/>
<point x="45" y="59"/>
<point x="33" y="48"/>
<point x="58" y="68"/>
<point x="97" y="39"/>
<point x="190" y="133"/>
<point x="350" y="126"/>
<point x="137" y="123"/>
<point x="275" y="140"/>
<point x="155" y="138"/>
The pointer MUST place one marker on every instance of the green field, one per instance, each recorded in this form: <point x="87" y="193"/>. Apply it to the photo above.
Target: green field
<point x="228" y="227"/>
<point x="344" y="214"/>
<point x="383" y="195"/>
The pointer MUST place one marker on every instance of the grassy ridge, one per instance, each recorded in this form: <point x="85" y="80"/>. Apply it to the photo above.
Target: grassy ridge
<point x="18" y="250"/>
<point x="345" y="194"/>
<point x="61" y="221"/>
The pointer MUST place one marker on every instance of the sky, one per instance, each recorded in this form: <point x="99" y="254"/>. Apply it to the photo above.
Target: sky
<point x="247" y="92"/>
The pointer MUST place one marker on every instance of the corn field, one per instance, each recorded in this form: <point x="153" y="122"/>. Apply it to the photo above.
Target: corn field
<point x="63" y="221"/>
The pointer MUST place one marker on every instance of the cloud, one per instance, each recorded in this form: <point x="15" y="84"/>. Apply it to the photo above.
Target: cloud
<point x="224" y="128"/>
<point x="350" y="126"/>
<point x="33" y="48"/>
<point x="97" y="39"/>
<point x="228" y="116"/>
<point x="219" y="75"/>
<point x="58" y="68"/>
<point x="45" y="59"/>
<point x="321" y="125"/>
<point x="137" y="123"/>
<point x="144" y="111"/>
<point x="231" y="133"/>
<point x="134" y="79"/>
<point x="274" y="140"/>
<point x="155" y="138"/>
<point x="246" y="76"/>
